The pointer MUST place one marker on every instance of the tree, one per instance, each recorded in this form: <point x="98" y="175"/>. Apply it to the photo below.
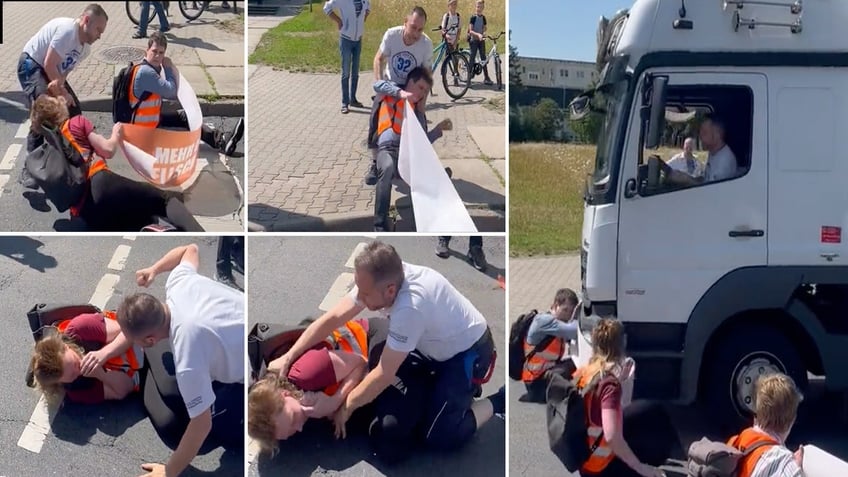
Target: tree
<point x="514" y="66"/>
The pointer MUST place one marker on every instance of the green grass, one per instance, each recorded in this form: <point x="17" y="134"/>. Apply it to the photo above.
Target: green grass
<point x="546" y="185"/>
<point x="310" y="41"/>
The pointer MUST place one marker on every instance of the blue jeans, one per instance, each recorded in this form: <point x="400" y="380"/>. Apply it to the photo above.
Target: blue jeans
<point x="350" y="51"/>
<point x="160" y="12"/>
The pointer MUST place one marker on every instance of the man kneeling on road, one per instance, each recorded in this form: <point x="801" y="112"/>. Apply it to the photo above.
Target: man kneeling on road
<point x="204" y="323"/>
<point x="438" y="353"/>
<point x="148" y="88"/>
<point x="553" y="330"/>
<point x="391" y="116"/>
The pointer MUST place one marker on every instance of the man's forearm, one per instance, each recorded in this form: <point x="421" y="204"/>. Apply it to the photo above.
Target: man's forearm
<point x="314" y="333"/>
<point x="352" y="379"/>
<point x="118" y="346"/>
<point x="196" y="432"/>
<point x="368" y="390"/>
<point x="170" y="260"/>
<point x="378" y="67"/>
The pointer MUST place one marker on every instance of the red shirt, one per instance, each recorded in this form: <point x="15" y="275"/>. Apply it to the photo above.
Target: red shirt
<point x="609" y="394"/>
<point x="80" y="128"/>
<point x="89" y="327"/>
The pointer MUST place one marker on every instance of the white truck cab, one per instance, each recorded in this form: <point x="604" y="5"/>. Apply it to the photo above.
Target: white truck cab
<point x="723" y="280"/>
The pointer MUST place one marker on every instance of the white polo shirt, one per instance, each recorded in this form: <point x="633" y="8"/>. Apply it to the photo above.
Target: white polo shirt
<point x="62" y="34"/>
<point x="721" y="165"/>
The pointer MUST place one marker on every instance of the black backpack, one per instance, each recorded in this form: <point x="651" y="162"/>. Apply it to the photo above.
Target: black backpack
<point x="517" y="335"/>
<point x="122" y="112"/>
<point x="567" y="421"/>
<point x="58" y="169"/>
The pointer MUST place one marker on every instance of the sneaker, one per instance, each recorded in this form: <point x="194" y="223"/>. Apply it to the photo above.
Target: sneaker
<point x="138" y="35"/>
<point x="442" y="250"/>
<point x="477" y="258"/>
<point x="345" y="109"/>
<point x="499" y="401"/>
<point x="371" y="175"/>
<point x="234" y="138"/>
<point x="449" y="172"/>
<point x="229" y="281"/>
<point x="487" y="81"/>
<point x="356" y="104"/>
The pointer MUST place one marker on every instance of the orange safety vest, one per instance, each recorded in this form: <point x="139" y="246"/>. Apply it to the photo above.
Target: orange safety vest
<point x="148" y="112"/>
<point x="602" y="456"/>
<point x="545" y="359"/>
<point x="351" y="338"/>
<point x="126" y="363"/>
<point x="88" y="155"/>
<point x="391" y="115"/>
<point x="745" y="440"/>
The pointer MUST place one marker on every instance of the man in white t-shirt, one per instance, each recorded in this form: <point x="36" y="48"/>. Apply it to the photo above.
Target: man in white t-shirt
<point x="55" y="50"/>
<point x="721" y="162"/>
<point x="438" y="353"/>
<point x="686" y="161"/>
<point x="402" y="49"/>
<point x="203" y="321"/>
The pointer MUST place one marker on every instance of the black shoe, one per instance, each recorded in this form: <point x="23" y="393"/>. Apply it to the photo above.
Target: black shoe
<point x="229" y="281"/>
<point x="356" y="104"/>
<point x="371" y="175"/>
<point x="138" y="35"/>
<point x="442" y="250"/>
<point x="234" y="138"/>
<point x="449" y="172"/>
<point x="477" y="258"/>
<point x="487" y="81"/>
<point x="499" y="401"/>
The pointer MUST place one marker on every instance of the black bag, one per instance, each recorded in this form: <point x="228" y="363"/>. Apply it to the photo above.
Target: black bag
<point x="42" y="317"/>
<point x="267" y="341"/>
<point x="517" y="336"/>
<point x="58" y="169"/>
<point x="567" y="421"/>
<point x="122" y="112"/>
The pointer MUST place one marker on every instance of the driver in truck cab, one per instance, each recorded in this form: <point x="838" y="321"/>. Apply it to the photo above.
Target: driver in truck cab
<point x="721" y="162"/>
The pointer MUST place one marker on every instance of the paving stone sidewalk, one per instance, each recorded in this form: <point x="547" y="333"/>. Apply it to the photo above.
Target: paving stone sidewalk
<point x="308" y="160"/>
<point x="207" y="52"/>
<point x="534" y="281"/>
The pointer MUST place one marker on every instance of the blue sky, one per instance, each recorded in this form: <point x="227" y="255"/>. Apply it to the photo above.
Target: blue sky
<point x="563" y="29"/>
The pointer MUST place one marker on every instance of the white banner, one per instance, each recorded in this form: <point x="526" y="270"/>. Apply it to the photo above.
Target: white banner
<point x="167" y="158"/>
<point x="436" y="204"/>
<point x="818" y="463"/>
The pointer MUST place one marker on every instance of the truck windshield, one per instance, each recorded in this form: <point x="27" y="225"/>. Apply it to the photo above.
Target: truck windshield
<point x="611" y="101"/>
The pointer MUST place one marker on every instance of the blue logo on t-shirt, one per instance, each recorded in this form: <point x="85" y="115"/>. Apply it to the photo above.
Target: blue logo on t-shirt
<point x="403" y="62"/>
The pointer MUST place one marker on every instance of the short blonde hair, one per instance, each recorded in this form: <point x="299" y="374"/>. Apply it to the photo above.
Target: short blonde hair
<point x="777" y="401"/>
<point x="264" y="401"/>
<point x="48" y="111"/>
<point x="47" y="363"/>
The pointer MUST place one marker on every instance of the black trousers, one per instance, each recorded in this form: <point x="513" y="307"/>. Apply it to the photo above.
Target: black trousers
<point x="430" y="403"/>
<point x="117" y="204"/>
<point x="473" y="241"/>
<point x="179" y="120"/>
<point x="230" y="247"/>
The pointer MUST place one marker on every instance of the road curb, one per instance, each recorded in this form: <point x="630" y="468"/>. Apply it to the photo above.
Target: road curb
<point x="230" y="107"/>
<point x="487" y="218"/>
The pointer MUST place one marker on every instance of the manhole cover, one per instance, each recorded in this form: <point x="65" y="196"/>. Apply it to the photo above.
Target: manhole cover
<point x="121" y="54"/>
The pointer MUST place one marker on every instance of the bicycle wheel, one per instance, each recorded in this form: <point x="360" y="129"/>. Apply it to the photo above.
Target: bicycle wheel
<point x="193" y="10"/>
<point x="134" y="12"/>
<point x="498" y="73"/>
<point x="456" y="76"/>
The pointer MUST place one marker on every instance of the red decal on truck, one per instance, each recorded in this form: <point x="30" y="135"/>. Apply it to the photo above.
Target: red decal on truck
<point x="831" y="234"/>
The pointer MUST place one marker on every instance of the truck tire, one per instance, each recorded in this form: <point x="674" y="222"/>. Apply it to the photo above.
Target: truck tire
<point x="735" y="363"/>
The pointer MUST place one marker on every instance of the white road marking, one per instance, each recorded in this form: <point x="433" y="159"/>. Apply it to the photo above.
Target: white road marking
<point x="4" y="178"/>
<point x="38" y="427"/>
<point x="253" y="450"/>
<point x="356" y="251"/>
<point x="129" y="237"/>
<point x="11" y="155"/>
<point x="119" y="259"/>
<point x="23" y="130"/>
<point x="340" y="288"/>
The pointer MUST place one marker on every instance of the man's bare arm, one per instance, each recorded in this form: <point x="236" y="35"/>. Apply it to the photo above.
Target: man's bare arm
<point x="379" y="58"/>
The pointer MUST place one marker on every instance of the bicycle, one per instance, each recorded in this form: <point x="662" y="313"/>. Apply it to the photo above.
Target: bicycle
<point x="455" y="71"/>
<point x="477" y="68"/>
<point x="189" y="10"/>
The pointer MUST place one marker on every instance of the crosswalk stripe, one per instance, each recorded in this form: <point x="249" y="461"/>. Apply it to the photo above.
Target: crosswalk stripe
<point x="23" y="130"/>
<point x="9" y="158"/>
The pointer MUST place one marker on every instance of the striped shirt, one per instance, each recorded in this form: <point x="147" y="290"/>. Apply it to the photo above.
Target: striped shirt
<point x="777" y="461"/>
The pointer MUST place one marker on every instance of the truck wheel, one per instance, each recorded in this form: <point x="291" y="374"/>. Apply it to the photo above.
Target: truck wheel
<point x="735" y="364"/>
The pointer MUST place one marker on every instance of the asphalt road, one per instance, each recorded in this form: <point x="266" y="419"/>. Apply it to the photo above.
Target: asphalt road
<point x="112" y="439"/>
<point x="214" y="194"/>
<point x="287" y="280"/>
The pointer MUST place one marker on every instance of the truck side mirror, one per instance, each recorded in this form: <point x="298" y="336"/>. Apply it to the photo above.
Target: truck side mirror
<point x="656" y="120"/>
<point x="579" y="107"/>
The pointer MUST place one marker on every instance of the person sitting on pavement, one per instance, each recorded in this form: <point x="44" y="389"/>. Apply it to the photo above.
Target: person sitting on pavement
<point x="634" y="437"/>
<point x="402" y="49"/>
<point x="686" y="161"/>
<point x="202" y="323"/>
<point x="559" y="328"/>
<point x="112" y="203"/>
<point x="438" y="353"/>
<point x="392" y="111"/>
<point x="147" y="81"/>
<point x="66" y="361"/>
<point x="475" y="251"/>
<point x="144" y="19"/>
<point x="315" y="386"/>
<point x="776" y="408"/>
<point x="50" y="55"/>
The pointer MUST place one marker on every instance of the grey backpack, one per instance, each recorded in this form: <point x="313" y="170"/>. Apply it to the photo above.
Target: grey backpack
<point x="708" y="458"/>
<point x="58" y="169"/>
